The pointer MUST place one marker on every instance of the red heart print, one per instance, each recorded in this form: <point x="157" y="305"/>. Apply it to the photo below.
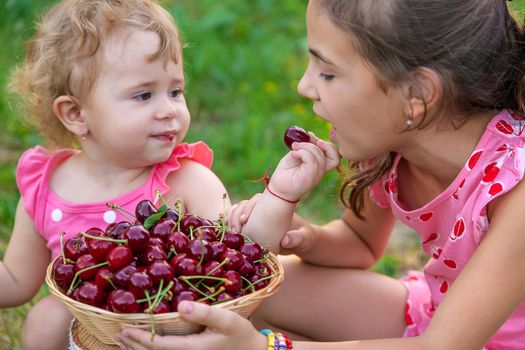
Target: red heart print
<point x="504" y="127"/>
<point x="444" y="287"/>
<point x="450" y="263"/>
<point x="474" y="159"/>
<point x="437" y="253"/>
<point x="495" y="189"/>
<point x="431" y="238"/>
<point x="425" y="216"/>
<point x="491" y="171"/>
<point x="408" y="318"/>
<point x="459" y="229"/>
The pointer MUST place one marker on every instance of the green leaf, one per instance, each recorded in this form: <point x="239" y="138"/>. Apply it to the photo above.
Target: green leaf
<point x="153" y="218"/>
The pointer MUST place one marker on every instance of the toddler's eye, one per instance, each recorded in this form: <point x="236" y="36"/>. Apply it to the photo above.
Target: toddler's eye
<point x="142" y="96"/>
<point x="176" y="93"/>
<point x="326" y="76"/>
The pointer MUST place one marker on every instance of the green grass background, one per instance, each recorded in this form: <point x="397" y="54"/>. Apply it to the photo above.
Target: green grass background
<point x="243" y="62"/>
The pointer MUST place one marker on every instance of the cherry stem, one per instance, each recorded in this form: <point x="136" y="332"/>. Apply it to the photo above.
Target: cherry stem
<point x="213" y="295"/>
<point x="250" y="284"/>
<point x="121" y="210"/>
<point x="100" y="238"/>
<point x="79" y="272"/>
<point x="195" y="288"/>
<point x="62" y="247"/>
<point x="164" y="291"/>
<point x="259" y="280"/>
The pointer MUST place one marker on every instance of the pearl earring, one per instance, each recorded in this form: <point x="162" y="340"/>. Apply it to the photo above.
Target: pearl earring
<point x="410" y="122"/>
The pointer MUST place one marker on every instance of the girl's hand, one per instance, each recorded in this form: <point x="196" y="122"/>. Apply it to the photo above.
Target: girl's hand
<point x="237" y="215"/>
<point x="225" y="330"/>
<point x="299" y="239"/>
<point x="302" y="168"/>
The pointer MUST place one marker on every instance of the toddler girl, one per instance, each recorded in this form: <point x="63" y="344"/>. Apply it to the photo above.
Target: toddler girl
<point x="426" y="100"/>
<point x="103" y="81"/>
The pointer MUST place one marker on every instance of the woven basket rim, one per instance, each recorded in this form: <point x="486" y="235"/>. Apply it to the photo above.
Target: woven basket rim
<point x="77" y="306"/>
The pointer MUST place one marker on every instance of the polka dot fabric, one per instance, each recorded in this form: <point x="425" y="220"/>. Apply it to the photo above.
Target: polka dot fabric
<point x="52" y="215"/>
<point x="453" y="224"/>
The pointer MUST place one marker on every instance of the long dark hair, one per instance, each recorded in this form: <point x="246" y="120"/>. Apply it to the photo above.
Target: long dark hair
<point x="475" y="47"/>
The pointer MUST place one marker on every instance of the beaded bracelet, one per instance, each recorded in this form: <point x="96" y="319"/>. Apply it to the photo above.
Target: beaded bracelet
<point x="277" y="341"/>
<point x="266" y="180"/>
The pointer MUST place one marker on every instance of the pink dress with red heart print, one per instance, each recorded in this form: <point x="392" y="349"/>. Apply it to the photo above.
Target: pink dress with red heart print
<point x="453" y="224"/>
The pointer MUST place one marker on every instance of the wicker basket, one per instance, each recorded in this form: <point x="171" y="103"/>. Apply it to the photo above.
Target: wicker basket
<point x="103" y="325"/>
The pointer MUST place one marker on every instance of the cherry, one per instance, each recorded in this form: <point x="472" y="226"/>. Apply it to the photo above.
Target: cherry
<point x="139" y="283"/>
<point x="144" y="209"/>
<point x="252" y="250"/>
<point x="213" y="269"/>
<point x="184" y="295"/>
<point x="295" y="134"/>
<point x="247" y="266"/>
<point x="257" y="281"/>
<point x="75" y="247"/>
<point x="186" y="266"/>
<point x="217" y="249"/>
<point x="161" y="308"/>
<point x="163" y="228"/>
<point x="151" y="254"/>
<point x="119" y="257"/>
<point x="190" y="221"/>
<point x="160" y="270"/>
<point x="158" y="242"/>
<point x="138" y="237"/>
<point x="199" y="250"/>
<point x="233" y="281"/>
<point x="178" y="286"/>
<point x="104" y="278"/>
<point x="123" y="301"/>
<point x="232" y="239"/>
<point x="117" y="230"/>
<point x="84" y="262"/>
<point x="177" y="242"/>
<point x="207" y="233"/>
<point x="234" y="257"/>
<point x="121" y="277"/>
<point x="63" y="273"/>
<point x="90" y="293"/>
<point x="99" y="249"/>
<point x="95" y="232"/>
<point x="224" y="296"/>
<point x="172" y="214"/>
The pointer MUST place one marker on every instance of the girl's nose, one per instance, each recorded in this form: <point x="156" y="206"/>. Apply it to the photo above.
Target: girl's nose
<point x="166" y="110"/>
<point x="306" y="89"/>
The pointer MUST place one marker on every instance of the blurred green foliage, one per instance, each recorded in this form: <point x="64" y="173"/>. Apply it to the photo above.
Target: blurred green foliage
<point x="243" y="61"/>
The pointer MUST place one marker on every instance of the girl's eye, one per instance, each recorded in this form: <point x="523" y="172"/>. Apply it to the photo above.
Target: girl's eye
<point x="176" y="93"/>
<point x="326" y="76"/>
<point x="142" y="96"/>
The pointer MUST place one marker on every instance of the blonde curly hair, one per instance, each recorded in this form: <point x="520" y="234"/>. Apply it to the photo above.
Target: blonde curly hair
<point x="64" y="56"/>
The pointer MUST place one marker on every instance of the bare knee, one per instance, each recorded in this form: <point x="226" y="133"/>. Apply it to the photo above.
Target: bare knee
<point x="46" y="326"/>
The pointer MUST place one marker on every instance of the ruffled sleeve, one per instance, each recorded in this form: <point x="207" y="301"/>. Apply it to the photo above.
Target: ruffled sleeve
<point x="198" y="151"/>
<point x="30" y="177"/>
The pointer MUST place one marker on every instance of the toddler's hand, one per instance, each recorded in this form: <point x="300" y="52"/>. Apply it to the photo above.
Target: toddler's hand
<point x="237" y="215"/>
<point x="302" y="168"/>
<point x="299" y="238"/>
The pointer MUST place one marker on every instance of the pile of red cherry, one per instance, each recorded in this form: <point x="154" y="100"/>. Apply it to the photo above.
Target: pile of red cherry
<point x="161" y="257"/>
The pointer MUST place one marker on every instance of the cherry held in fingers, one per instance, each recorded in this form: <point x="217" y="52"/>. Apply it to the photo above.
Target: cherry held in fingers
<point x="295" y="134"/>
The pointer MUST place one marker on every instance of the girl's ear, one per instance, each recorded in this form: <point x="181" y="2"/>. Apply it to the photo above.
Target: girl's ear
<point x="424" y="92"/>
<point x="67" y="111"/>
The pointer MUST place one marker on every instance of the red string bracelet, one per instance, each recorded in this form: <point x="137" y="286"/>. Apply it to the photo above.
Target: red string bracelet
<point x="266" y="180"/>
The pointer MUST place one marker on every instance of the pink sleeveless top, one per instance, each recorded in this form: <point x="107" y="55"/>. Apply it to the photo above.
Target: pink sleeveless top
<point x="453" y="224"/>
<point x="53" y="215"/>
